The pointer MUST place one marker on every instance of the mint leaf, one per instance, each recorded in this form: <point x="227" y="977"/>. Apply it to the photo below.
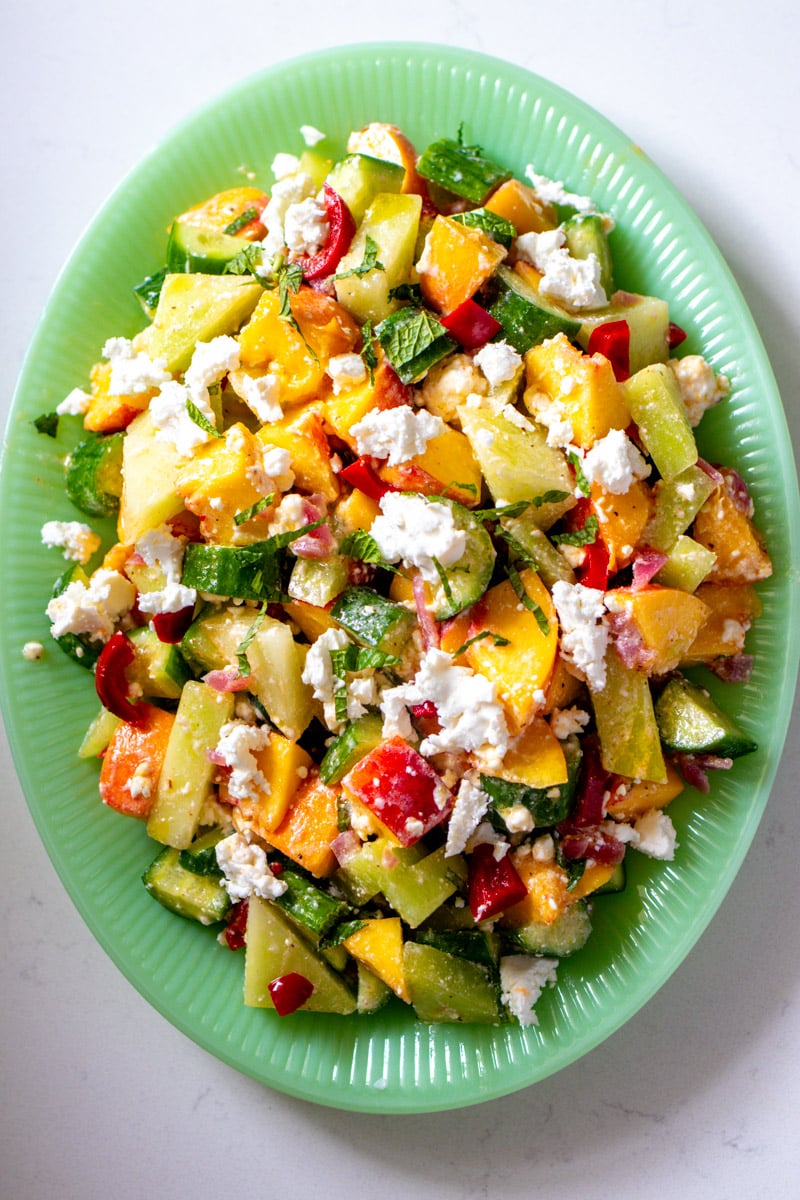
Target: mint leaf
<point x="497" y="640"/>
<point x="583" y="483"/>
<point x="580" y="537"/>
<point x="368" y="263"/>
<point x="246" y="262"/>
<point x="531" y="605"/>
<point x="445" y="582"/>
<point x="244" y="218"/>
<point x="241" y="650"/>
<point x="248" y="513"/>
<point x="47" y="423"/>
<point x="362" y="545"/>
<point x="200" y="420"/>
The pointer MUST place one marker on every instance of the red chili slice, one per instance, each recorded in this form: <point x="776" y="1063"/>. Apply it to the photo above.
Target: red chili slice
<point x="290" y="992"/>
<point x="613" y="340"/>
<point x="593" y="571"/>
<point x="341" y="228"/>
<point x="494" y="883"/>
<point x="675" y="336"/>
<point x="471" y="325"/>
<point x="237" y="925"/>
<point x="111" y="682"/>
<point x="361" y="475"/>
<point x="171" y="626"/>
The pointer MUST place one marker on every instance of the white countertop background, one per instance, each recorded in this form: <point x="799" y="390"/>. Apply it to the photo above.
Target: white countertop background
<point x="696" y="1097"/>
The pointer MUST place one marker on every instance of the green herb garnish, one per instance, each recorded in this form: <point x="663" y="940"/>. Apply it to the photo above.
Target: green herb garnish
<point x="583" y="483"/>
<point x="497" y="640"/>
<point x="581" y="537"/>
<point x="247" y="514"/>
<point x="531" y="605"/>
<point x="201" y="420"/>
<point x="445" y="582"/>
<point x="368" y="353"/>
<point x="362" y="545"/>
<point x="246" y="262"/>
<point x="368" y="263"/>
<point x="244" y="644"/>
<point x="47" y="423"/>
<point x="244" y="218"/>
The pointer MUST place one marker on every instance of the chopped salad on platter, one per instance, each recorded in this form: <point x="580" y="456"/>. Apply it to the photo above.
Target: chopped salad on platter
<point x="416" y="557"/>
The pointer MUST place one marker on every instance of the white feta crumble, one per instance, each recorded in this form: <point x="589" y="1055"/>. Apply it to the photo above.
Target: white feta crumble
<point x="311" y="135"/>
<point x="656" y="835"/>
<point x="291" y="188"/>
<point x="318" y="674"/>
<point x="92" y="609"/>
<point x="518" y="819"/>
<point x="396" y="434"/>
<point x="246" y="870"/>
<point x="140" y="783"/>
<point x="417" y="531"/>
<point x="210" y="362"/>
<point x="171" y="598"/>
<point x="274" y="473"/>
<point x="573" y="281"/>
<point x="583" y="639"/>
<point x="346" y="371"/>
<point x="289" y="515"/>
<point x="566" y="721"/>
<point x="552" y="191"/>
<point x="237" y="747"/>
<point x="544" y="849"/>
<point x="615" y="463"/>
<point x="499" y="362"/>
<point x="305" y="226"/>
<point x="133" y="372"/>
<point x="32" y="651"/>
<point x="261" y="394"/>
<point x="451" y="383"/>
<point x="522" y="980"/>
<point x="172" y="422"/>
<point x="77" y="541"/>
<point x="75" y="404"/>
<point x="160" y="549"/>
<point x="552" y="414"/>
<point x="700" y="387"/>
<point x="285" y="164"/>
<point x="468" y="812"/>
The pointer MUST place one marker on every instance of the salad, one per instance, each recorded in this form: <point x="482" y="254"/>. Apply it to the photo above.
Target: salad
<point x="415" y="559"/>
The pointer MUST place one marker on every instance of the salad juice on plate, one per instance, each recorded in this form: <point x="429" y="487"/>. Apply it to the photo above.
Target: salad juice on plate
<point x="416" y="557"/>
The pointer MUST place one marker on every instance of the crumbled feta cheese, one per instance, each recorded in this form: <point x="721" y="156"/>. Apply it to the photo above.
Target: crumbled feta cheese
<point x="290" y="189"/>
<point x="161" y="550"/>
<point x="246" y="870"/>
<point x="468" y="812"/>
<point x="311" y="135"/>
<point x="700" y="388"/>
<point x="346" y="371"/>
<point x="449" y="384"/>
<point x="32" y="651"/>
<point x="319" y="676"/>
<point x="261" y="394"/>
<point x="75" y="404"/>
<point x="466" y="704"/>
<point x="544" y="848"/>
<point x="499" y="362"/>
<point x="518" y="819"/>
<point x="551" y="413"/>
<point x="284" y="165"/>
<point x="289" y="515"/>
<point x="132" y="372"/>
<point x="171" y="419"/>
<point x="305" y="226"/>
<point x="522" y="980"/>
<point x="614" y="462"/>
<point x="274" y="473"/>
<point x="74" y="538"/>
<point x="552" y="191"/>
<point x="211" y="361"/>
<point x="92" y="609"/>
<point x="583" y="638"/>
<point x="396" y="434"/>
<point x="656" y="835"/>
<point x="417" y="531"/>
<point x="171" y="598"/>
<point x="140" y="783"/>
<point x="573" y="281"/>
<point x="566" y="721"/>
<point x="237" y="747"/>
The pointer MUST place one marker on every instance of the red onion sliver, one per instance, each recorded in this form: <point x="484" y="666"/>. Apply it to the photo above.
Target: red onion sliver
<point x="645" y="566"/>
<point x="429" y="628"/>
<point x="228" y="680"/>
<point x="711" y="472"/>
<point x="735" y="668"/>
<point x="345" y="846"/>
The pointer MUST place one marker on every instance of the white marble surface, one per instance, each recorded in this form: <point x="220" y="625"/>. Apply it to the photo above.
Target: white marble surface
<point x="698" y="1095"/>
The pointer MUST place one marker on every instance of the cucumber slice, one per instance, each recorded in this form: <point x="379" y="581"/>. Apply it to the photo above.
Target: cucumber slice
<point x="79" y="647"/>
<point x="212" y="641"/>
<point x="190" y="249"/>
<point x="476" y="945"/>
<point x="462" y="170"/>
<point x="444" y="987"/>
<point x="277" y="661"/>
<point x="547" y="806"/>
<point x="585" y="235"/>
<point x="413" y="341"/>
<point x="149" y="477"/>
<point x="356" y="740"/>
<point x="201" y="856"/>
<point x="538" y="551"/>
<point x="626" y="723"/>
<point x="615" y="883"/>
<point x="237" y="572"/>
<point x="373" y="620"/>
<point x="648" y="321"/>
<point x="197" y="308"/>
<point x="463" y="582"/>
<point x="690" y="722"/>
<point x="687" y="565"/>
<point x="567" y="934"/>
<point x="276" y="947"/>
<point x="654" y="398"/>
<point x="676" y="503"/>
<point x="158" y="668"/>
<point x="201" y="898"/>
<point x="526" y="316"/>
<point x="318" y="581"/>
<point x="373" y="993"/>
<point x="94" y="475"/>
<point x="98" y="735"/>
<point x="309" y="905"/>
<point x="392" y="222"/>
<point x="358" y="178"/>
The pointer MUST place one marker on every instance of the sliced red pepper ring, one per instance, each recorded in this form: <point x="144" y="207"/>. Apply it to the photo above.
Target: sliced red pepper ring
<point x="171" y="626"/>
<point x="675" y="336"/>
<point x="613" y="340"/>
<point x="290" y="992"/>
<point x="360" y="474"/>
<point x="341" y="228"/>
<point x="494" y="884"/>
<point x="593" y="571"/>
<point x="471" y="325"/>
<point x="111" y="681"/>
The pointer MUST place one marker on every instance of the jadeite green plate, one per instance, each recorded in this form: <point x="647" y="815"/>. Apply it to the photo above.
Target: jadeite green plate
<point x="389" y="1062"/>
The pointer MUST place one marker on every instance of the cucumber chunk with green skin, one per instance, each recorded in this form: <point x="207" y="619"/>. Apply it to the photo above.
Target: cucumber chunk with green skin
<point x="476" y="945"/>
<point x="212" y="641"/>
<point x="94" y="475"/>
<point x="78" y="646"/>
<point x="185" y="779"/>
<point x="690" y="722"/>
<point x="687" y="565"/>
<point x="98" y="735"/>
<point x="413" y="340"/>
<point x="585" y="235"/>
<point x="566" y="935"/>
<point x="238" y="572"/>
<point x="191" y="249"/>
<point x="444" y="987"/>
<point x="373" y="992"/>
<point x="526" y="540"/>
<point x="615" y="883"/>
<point x="392" y="222"/>
<point x="463" y="582"/>
<point x="654" y="398"/>
<point x="200" y="898"/>
<point x="356" y="740"/>
<point x="630" y="743"/>
<point x="547" y="806"/>
<point x="497" y="227"/>
<point x="201" y="856"/>
<point x="275" y="947"/>
<point x="359" y="178"/>
<point x="463" y="170"/>
<point x="196" y="308"/>
<point x="526" y="316"/>
<point x="309" y="905"/>
<point x="158" y="667"/>
<point x="373" y="620"/>
<point x="647" y="318"/>
<point x="676" y="503"/>
<point x="318" y="581"/>
<point x="413" y="883"/>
